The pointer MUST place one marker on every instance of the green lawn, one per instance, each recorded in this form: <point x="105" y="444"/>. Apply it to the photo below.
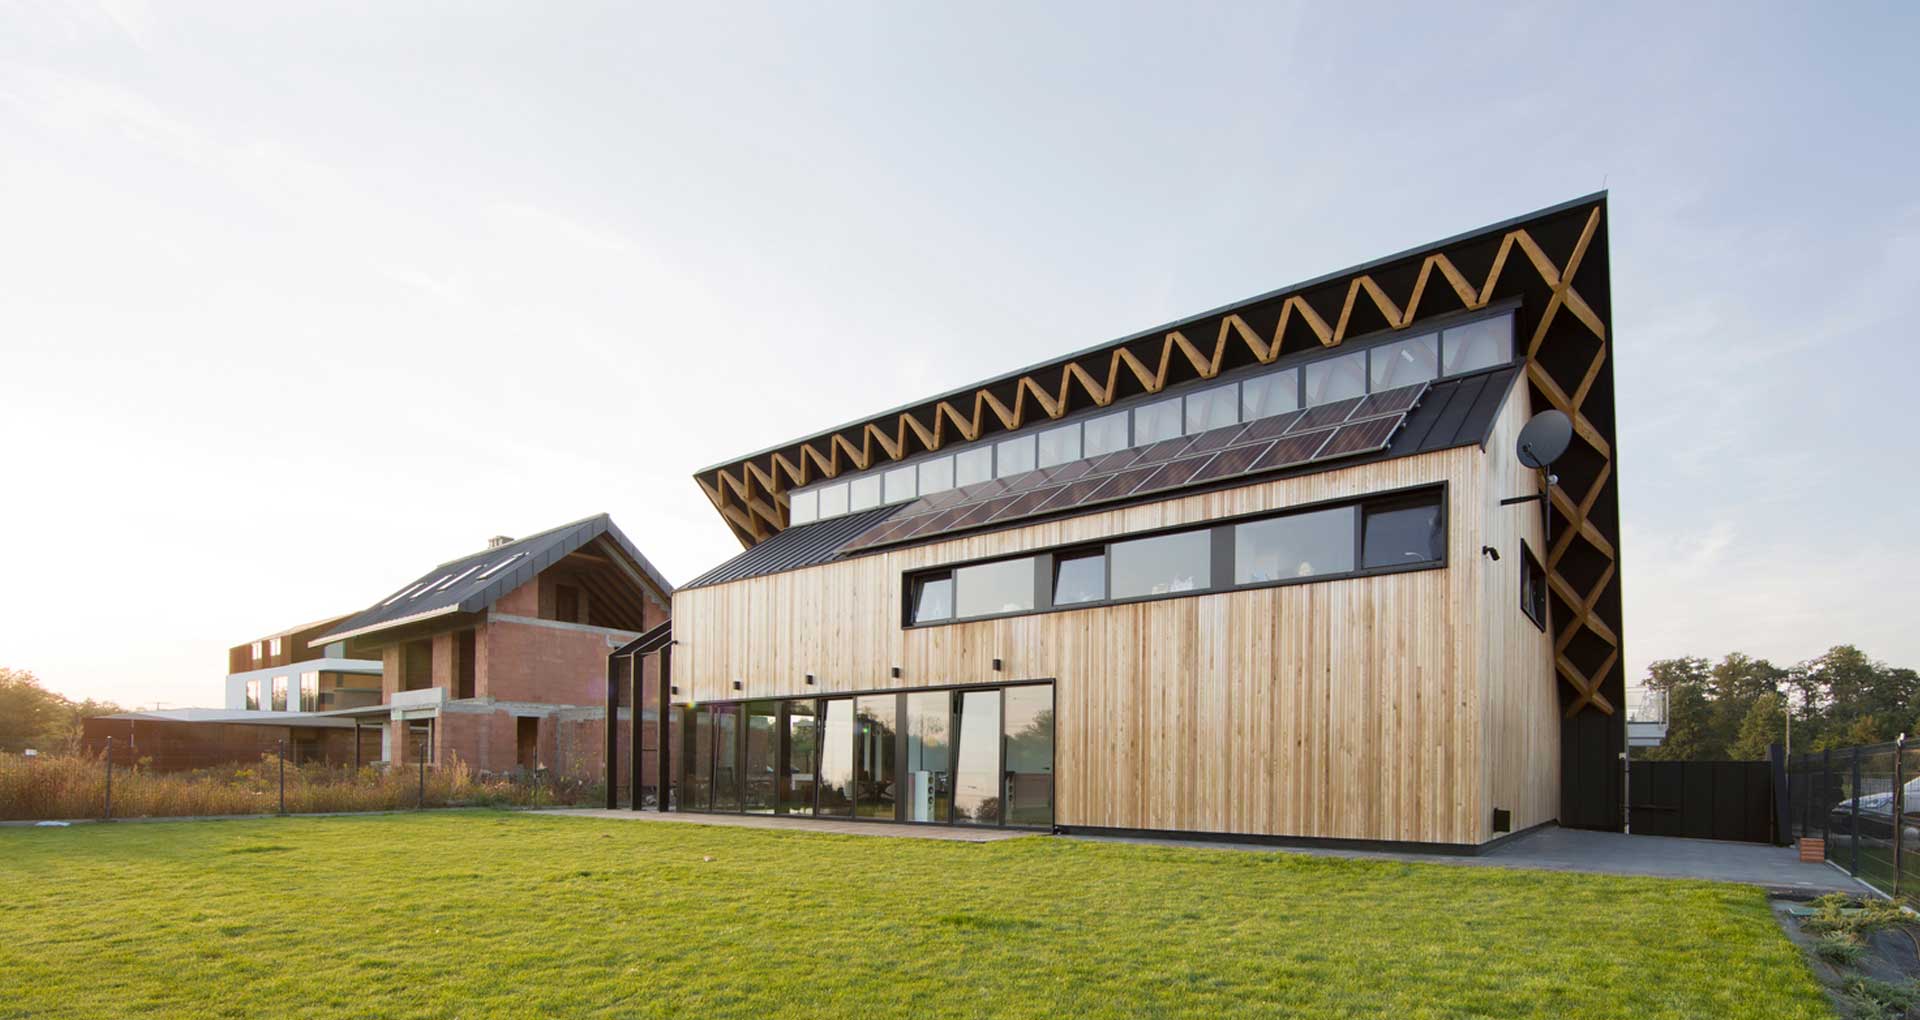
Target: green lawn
<point x="478" y="913"/>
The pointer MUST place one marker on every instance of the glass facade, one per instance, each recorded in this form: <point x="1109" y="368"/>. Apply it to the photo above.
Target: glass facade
<point x="1301" y="545"/>
<point x="1162" y="564"/>
<point x="980" y="755"/>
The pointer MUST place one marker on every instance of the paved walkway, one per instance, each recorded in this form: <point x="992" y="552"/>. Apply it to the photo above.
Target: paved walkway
<point x="846" y="828"/>
<point x="1777" y="869"/>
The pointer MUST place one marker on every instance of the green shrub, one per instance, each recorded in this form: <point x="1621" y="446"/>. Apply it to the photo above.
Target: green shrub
<point x="1839" y="948"/>
<point x="1873" y="999"/>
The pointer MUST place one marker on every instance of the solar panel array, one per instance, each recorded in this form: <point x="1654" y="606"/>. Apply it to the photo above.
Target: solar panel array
<point x="1344" y="428"/>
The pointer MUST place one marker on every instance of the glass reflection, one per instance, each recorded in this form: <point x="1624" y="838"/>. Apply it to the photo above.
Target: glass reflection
<point x="835" y="785"/>
<point x="1299" y="546"/>
<point x="1338" y="378"/>
<point x="1162" y="565"/>
<point x="1405" y="362"/>
<point x="797" y="759"/>
<point x="976" y="774"/>
<point x="1029" y="735"/>
<point x="1270" y="394"/>
<point x="699" y="752"/>
<point x="926" y="778"/>
<point x="1079" y="579"/>
<point x="990" y="588"/>
<point x="763" y="743"/>
<point x="876" y="791"/>
<point x="1404" y="536"/>
<point x="726" y="757"/>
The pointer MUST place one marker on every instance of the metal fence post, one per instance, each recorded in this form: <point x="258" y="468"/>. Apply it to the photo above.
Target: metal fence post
<point x="109" y="812"/>
<point x="423" y="774"/>
<point x="283" y="776"/>
<point x="1806" y="797"/>
<point x="1826" y="793"/>
<point x="1899" y="806"/>
<point x="1853" y="826"/>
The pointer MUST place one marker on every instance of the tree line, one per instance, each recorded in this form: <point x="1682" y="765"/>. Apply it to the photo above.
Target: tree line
<point x="1735" y="708"/>
<point x="33" y="717"/>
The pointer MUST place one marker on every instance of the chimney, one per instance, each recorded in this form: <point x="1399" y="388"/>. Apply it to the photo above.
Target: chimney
<point x="499" y="540"/>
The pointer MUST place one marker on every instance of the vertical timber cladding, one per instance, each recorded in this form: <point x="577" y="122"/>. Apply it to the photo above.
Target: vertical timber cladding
<point x="1554" y="261"/>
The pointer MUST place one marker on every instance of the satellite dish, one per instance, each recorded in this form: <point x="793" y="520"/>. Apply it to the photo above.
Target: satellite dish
<point x="1544" y="439"/>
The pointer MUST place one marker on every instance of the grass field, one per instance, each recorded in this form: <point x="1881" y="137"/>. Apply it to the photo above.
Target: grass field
<point x="482" y="913"/>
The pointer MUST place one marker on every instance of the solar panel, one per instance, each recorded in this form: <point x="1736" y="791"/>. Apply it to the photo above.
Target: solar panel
<point x="1341" y="429"/>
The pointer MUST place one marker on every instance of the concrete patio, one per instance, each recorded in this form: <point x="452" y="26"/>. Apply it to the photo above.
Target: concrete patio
<point x="1777" y="869"/>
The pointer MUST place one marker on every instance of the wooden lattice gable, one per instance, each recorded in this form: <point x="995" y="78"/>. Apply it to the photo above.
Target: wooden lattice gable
<point x="1552" y="263"/>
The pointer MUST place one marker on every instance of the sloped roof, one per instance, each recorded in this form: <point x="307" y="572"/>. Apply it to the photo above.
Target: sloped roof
<point x="1454" y="412"/>
<point x="478" y="580"/>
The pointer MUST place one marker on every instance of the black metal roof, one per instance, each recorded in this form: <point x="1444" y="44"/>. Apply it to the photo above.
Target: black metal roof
<point x="475" y="581"/>
<point x="1455" y="412"/>
<point x="804" y="546"/>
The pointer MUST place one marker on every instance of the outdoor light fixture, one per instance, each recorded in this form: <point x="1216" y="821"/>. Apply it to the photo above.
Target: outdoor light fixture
<point x="896" y="672"/>
<point x="673" y="690"/>
<point x="1491" y="553"/>
<point x="996" y="665"/>
<point x="809" y="679"/>
<point x="736" y="685"/>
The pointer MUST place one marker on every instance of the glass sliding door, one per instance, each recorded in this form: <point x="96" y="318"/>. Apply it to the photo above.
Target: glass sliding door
<point x="699" y="752"/>
<point x="925" y="779"/>
<point x="797" y="759"/>
<point x="726" y="757"/>
<point x="1029" y="753"/>
<point x="835" y="797"/>
<point x="976" y="772"/>
<point x="763" y="745"/>
<point x="876" y="793"/>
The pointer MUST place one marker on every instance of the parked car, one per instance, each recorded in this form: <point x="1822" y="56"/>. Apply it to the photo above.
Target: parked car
<point x="1876" y="815"/>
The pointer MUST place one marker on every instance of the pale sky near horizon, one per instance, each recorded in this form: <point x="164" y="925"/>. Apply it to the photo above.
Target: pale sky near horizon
<point x="296" y="302"/>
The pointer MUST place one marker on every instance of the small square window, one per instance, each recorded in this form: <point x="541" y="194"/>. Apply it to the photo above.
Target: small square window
<point x="1338" y="378"/>
<point x="932" y="599"/>
<point x="1213" y="408"/>
<point x="1058" y="446"/>
<point x="971" y="467"/>
<point x="257" y="649"/>
<point x="1270" y="394"/>
<point x="803" y="507"/>
<point x="1403" y="535"/>
<point x="1014" y="457"/>
<point x="833" y="500"/>
<point x="1157" y="421"/>
<point x="1105" y="434"/>
<point x="1477" y="345"/>
<point x="900" y="485"/>
<point x="273" y="647"/>
<point x="863" y="493"/>
<point x="1079" y="577"/>
<point x="936" y="475"/>
<point x="1404" y="362"/>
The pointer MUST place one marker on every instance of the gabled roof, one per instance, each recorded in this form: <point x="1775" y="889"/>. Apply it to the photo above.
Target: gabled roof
<point x="1460" y="411"/>
<point x="478" y="580"/>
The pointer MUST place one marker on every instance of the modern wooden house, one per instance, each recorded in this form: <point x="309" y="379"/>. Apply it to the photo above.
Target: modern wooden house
<point x="1246" y="575"/>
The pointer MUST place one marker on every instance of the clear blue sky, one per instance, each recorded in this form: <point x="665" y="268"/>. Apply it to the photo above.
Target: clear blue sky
<point x="295" y="302"/>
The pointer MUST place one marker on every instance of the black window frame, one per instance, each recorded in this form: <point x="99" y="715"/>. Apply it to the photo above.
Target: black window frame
<point x="1533" y="587"/>
<point x="1222" y="555"/>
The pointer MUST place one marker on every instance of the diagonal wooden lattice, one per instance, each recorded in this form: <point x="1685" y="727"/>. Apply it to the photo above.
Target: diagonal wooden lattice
<point x="752" y="495"/>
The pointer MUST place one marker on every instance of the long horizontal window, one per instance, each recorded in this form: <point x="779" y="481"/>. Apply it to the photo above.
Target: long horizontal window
<point x="1375" y="535"/>
<point x="1355" y="368"/>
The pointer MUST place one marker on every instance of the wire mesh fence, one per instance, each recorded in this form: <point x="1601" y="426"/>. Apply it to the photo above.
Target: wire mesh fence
<point x="1865" y="803"/>
<point x="112" y="783"/>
